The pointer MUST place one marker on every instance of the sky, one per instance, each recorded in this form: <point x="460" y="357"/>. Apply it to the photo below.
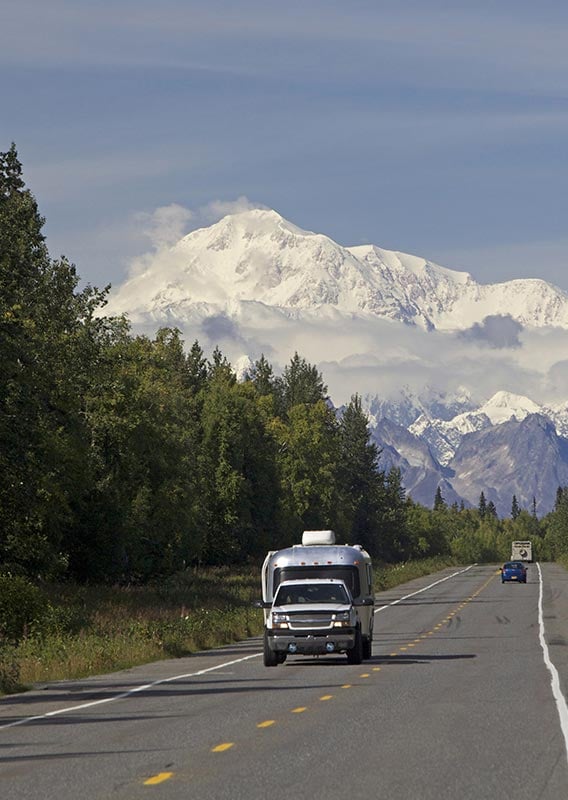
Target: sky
<point x="433" y="127"/>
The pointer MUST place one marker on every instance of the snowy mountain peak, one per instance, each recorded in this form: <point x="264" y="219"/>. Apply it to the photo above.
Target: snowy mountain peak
<point x="258" y="257"/>
<point x="505" y="405"/>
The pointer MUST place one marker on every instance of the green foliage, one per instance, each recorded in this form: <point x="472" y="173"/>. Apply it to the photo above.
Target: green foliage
<point x="301" y="383"/>
<point x="23" y="607"/>
<point x="125" y="458"/>
<point x="307" y="452"/>
<point x="47" y="339"/>
<point x="360" y="484"/>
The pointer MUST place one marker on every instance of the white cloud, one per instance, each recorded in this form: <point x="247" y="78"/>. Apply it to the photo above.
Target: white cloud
<point x="216" y="209"/>
<point x="165" y="225"/>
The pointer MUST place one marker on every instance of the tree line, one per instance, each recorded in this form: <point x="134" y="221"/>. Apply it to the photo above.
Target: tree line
<point x="125" y="458"/>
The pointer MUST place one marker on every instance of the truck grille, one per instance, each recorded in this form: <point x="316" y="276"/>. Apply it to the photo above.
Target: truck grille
<point x="311" y="620"/>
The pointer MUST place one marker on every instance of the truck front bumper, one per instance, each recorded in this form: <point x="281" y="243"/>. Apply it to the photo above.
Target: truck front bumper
<point x="312" y="643"/>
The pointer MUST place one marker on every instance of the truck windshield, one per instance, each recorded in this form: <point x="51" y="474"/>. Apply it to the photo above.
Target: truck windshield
<point x="348" y="574"/>
<point x="293" y="595"/>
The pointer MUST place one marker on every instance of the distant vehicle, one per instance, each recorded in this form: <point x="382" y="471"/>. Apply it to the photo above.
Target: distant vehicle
<point x="514" y="571"/>
<point x="521" y="551"/>
<point x="319" y="557"/>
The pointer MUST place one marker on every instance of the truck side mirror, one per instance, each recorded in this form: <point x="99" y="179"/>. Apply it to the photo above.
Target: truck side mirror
<point x="261" y="604"/>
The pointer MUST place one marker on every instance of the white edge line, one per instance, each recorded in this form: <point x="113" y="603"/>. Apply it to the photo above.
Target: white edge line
<point x="559" y="698"/>
<point x="406" y="596"/>
<point x="147" y="686"/>
<point x="126" y="694"/>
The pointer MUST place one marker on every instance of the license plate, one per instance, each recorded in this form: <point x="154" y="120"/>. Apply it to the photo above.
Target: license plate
<point x="513" y="577"/>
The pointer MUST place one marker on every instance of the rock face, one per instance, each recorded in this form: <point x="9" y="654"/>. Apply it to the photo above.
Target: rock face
<point x="525" y="458"/>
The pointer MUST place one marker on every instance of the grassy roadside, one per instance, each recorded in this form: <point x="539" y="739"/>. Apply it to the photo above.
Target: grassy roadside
<point x="93" y="630"/>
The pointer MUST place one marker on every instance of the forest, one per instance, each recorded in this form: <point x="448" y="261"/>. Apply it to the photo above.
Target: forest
<point x="125" y="459"/>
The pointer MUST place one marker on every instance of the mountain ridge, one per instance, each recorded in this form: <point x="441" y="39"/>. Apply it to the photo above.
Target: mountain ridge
<point x="257" y="256"/>
<point x="253" y="281"/>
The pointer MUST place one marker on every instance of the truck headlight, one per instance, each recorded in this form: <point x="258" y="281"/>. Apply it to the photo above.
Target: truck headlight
<point x="342" y="619"/>
<point x="279" y="621"/>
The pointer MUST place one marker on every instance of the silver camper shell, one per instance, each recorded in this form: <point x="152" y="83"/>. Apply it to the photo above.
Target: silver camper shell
<point x="319" y="557"/>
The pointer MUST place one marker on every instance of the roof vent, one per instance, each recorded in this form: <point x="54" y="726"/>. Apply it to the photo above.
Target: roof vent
<point x="318" y="537"/>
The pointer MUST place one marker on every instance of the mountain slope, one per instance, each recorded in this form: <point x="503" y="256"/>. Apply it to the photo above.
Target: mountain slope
<point x="524" y="458"/>
<point x="258" y="257"/>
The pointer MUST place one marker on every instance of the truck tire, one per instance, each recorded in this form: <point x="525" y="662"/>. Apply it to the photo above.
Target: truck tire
<point x="355" y="655"/>
<point x="270" y="656"/>
<point x="368" y="646"/>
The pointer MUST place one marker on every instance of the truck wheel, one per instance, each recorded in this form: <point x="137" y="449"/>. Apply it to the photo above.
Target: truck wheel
<point x="270" y="656"/>
<point x="367" y="646"/>
<point x="355" y="655"/>
<point x="281" y="656"/>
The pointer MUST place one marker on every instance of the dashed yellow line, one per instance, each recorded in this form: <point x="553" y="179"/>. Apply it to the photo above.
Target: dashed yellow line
<point x="164" y="776"/>
<point x="159" y="778"/>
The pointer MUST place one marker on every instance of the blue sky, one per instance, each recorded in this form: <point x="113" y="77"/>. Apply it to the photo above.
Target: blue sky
<point x="435" y="127"/>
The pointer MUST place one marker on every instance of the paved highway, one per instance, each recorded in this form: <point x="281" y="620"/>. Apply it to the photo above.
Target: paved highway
<point x="458" y="701"/>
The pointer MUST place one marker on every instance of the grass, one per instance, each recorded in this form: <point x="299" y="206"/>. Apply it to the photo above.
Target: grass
<point x="93" y="630"/>
<point x="388" y="576"/>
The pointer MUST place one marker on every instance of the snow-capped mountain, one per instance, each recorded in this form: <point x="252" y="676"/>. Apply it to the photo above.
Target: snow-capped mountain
<point x="386" y="325"/>
<point x="444" y="435"/>
<point x="258" y="257"/>
<point x="508" y="445"/>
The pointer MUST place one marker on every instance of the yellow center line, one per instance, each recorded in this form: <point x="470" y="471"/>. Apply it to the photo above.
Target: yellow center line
<point x="299" y="709"/>
<point x="346" y="686"/>
<point x="365" y="675"/>
<point x="266" y="724"/>
<point x="376" y="669"/>
<point x="410" y="644"/>
<point x="159" y="778"/>
<point x="403" y="648"/>
<point x="326" y="697"/>
<point x="222" y="747"/>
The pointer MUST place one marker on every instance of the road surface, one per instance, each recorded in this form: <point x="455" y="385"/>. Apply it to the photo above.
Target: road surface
<point x="463" y="698"/>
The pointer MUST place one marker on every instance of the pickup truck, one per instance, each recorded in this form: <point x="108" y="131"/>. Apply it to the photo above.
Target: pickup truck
<point x="313" y="617"/>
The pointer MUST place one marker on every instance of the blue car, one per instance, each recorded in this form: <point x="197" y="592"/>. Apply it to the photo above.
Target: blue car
<point x="514" y="571"/>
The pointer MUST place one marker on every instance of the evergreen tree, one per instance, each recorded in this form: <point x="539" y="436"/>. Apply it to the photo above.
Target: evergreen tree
<point x="358" y="479"/>
<point x="239" y="497"/>
<point x="307" y="452"/>
<point x="197" y="367"/>
<point x="48" y="341"/>
<point x="482" y="506"/>
<point x="515" y="508"/>
<point x="491" y="509"/>
<point x="396" y="542"/>
<point x="301" y="383"/>
<point x="140" y="518"/>
<point x="262" y="376"/>
<point x="439" y="502"/>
